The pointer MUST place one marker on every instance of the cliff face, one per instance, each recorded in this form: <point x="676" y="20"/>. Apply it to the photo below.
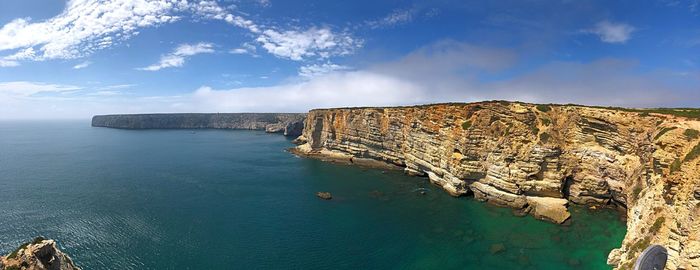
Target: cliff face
<point x="538" y="158"/>
<point x="291" y="124"/>
<point x="40" y="254"/>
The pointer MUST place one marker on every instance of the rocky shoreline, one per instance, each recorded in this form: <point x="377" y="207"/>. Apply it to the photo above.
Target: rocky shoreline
<point x="538" y="159"/>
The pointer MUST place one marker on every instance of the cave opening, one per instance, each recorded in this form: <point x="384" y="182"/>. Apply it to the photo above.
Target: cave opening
<point x="566" y="186"/>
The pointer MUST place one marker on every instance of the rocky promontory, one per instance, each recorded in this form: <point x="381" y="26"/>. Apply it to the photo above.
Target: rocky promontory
<point x="539" y="159"/>
<point x="290" y="124"/>
<point x="40" y="254"/>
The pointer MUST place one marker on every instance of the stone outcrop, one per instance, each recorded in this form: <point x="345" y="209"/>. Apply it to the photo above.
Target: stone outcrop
<point x="40" y="254"/>
<point x="290" y="124"/>
<point x="538" y="158"/>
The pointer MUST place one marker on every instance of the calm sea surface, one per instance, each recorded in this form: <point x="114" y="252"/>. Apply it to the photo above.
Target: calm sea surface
<point x="218" y="199"/>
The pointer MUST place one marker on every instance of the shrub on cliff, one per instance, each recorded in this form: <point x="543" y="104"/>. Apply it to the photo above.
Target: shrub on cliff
<point x="543" y="108"/>
<point x="691" y="134"/>
<point x="466" y="125"/>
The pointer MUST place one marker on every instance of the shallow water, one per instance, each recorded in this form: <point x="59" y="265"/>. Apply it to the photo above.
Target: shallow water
<point x="218" y="199"/>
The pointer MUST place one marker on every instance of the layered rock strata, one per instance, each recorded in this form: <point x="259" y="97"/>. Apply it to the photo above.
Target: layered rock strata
<point x="290" y="124"/>
<point x="40" y="254"/>
<point x="538" y="158"/>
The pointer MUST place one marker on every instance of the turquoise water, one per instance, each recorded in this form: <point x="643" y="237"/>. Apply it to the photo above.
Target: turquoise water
<point x="216" y="199"/>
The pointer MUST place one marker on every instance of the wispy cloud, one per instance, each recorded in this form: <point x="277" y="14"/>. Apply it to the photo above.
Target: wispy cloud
<point x="246" y="48"/>
<point x="82" y="65"/>
<point x="8" y="63"/>
<point x="26" y="88"/>
<point x="315" y="70"/>
<point x="86" y="26"/>
<point x="611" y="32"/>
<point x="179" y="55"/>
<point x="395" y="17"/>
<point x="311" y="43"/>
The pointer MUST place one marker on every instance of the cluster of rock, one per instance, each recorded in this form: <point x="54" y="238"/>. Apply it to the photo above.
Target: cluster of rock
<point x="290" y="124"/>
<point x="538" y="158"/>
<point x="40" y="254"/>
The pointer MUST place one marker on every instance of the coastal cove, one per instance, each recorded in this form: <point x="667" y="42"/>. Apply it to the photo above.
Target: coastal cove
<point x="198" y="199"/>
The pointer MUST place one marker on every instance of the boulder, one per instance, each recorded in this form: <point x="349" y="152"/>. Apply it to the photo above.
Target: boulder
<point x="550" y="209"/>
<point x="324" y="195"/>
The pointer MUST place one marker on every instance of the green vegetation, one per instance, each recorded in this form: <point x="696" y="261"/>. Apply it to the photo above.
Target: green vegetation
<point x="13" y="267"/>
<point x="23" y="246"/>
<point x="38" y="240"/>
<point x="663" y="131"/>
<point x="676" y="165"/>
<point x="691" y="134"/>
<point x="657" y="225"/>
<point x="14" y="253"/>
<point x="694" y="153"/>
<point x="543" y="108"/>
<point x="466" y="125"/>
<point x="535" y="130"/>
<point x="635" y="191"/>
<point x="544" y="137"/>
<point x="546" y="121"/>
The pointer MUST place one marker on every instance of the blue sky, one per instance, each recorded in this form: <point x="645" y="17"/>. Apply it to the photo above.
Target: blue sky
<point x="77" y="58"/>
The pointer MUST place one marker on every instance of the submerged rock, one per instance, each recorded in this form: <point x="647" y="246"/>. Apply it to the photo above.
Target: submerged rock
<point x="324" y="195"/>
<point x="40" y="254"/>
<point x="497" y="248"/>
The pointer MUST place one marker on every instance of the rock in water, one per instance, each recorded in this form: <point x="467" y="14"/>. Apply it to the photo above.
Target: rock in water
<point x="40" y="254"/>
<point x="551" y="209"/>
<point x="324" y="195"/>
<point x="497" y="248"/>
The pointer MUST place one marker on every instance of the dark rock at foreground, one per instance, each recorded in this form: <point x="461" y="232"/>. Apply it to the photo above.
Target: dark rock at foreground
<point x="290" y="124"/>
<point x="40" y="254"/>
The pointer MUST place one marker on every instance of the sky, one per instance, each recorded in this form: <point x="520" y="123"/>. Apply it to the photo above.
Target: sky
<point x="78" y="58"/>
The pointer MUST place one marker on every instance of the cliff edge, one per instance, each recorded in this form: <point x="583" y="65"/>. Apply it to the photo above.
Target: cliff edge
<point x="40" y="254"/>
<point x="290" y="124"/>
<point x="539" y="158"/>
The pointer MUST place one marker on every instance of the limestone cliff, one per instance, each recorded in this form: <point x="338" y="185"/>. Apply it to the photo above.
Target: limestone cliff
<point x="539" y="158"/>
<point x="40" y="254"/>
<point x="291" y="124"/>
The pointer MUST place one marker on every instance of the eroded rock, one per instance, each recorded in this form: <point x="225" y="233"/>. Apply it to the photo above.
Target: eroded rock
<point x="523" y="155"/>
<point x="40" y="254"/>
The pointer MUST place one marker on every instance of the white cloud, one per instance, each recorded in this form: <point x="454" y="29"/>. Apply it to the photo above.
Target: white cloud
<point x="246" y="48"/>
<point x="313" y="42"/>
<point x="8" y="63"/>
<point x="178" y="56"/>
<point x="82" y="65"/>
<point x="105" y="93"/>
<point x="396" y="17"/>
<point x="86" y="26"/>
<point x="611" y="32"/>
<point x="264" y="3"/>
<point x="116" y="86"/>
<point x="315" y="70"/>
<point x="25" y="88"/>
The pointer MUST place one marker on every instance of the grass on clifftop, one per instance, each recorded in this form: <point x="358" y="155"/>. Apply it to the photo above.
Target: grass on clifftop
<point x="694" y="153"/>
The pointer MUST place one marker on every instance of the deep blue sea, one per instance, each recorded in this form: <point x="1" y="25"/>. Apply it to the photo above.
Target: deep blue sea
<point x="222" y="199"/>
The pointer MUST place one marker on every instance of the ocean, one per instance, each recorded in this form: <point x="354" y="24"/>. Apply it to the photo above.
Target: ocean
<point x="224" y="199"/>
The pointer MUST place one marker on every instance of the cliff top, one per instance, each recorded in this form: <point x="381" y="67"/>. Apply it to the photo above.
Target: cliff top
<point x="692" y="113"/>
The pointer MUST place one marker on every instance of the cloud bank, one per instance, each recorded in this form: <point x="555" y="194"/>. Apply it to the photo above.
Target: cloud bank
<point x="442" y="72"/>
